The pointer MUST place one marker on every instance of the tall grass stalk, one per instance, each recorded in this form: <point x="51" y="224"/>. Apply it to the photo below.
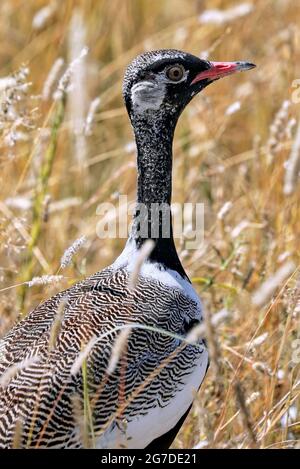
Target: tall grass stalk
<point x="38" y="203"/>
<point x="89" y="434"/>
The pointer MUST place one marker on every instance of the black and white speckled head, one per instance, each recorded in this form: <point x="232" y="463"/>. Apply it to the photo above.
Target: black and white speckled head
<point x="164" y="81"/>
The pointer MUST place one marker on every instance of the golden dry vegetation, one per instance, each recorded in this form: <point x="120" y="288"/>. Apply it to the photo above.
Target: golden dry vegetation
<point x="236" y="150"/>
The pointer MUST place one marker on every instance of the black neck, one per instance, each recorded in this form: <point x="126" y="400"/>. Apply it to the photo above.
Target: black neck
<point x="152" y="218"/>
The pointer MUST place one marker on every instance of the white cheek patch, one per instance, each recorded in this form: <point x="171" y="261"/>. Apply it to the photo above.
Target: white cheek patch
<point x="147" y="95"/>
<point x="150" y="95"/>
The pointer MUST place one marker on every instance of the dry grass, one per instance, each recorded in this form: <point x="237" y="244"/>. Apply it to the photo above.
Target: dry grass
<point x="56" y="169"/>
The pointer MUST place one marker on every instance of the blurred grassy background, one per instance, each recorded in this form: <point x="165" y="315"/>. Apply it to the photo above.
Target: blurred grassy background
<point x="231" y="146"/>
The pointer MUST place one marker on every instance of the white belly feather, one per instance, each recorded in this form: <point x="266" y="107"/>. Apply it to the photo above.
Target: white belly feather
<point x="143" y="429"/>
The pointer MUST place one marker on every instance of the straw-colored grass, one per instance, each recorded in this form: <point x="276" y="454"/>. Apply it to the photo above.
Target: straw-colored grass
<point x="233" y="146"/>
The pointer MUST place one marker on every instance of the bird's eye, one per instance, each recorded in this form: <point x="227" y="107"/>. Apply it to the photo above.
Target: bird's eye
<point x="175" y="73"/>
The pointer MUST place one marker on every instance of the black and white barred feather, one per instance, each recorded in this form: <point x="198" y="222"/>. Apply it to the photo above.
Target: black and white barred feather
<point x="40" y="395"/>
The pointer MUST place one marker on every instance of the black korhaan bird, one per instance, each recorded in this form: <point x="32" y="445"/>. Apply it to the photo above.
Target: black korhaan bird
<point x="144" y="401"/>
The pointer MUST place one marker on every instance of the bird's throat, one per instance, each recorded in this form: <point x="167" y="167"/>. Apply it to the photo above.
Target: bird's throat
<point x="154" y="161"/>
<point x="152" y="218"/>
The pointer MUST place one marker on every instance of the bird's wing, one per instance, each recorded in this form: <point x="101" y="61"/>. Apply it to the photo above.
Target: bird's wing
<point x="43" y="357"/>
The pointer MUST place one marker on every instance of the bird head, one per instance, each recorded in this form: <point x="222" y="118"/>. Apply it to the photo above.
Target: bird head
<point x="164" y="81"/>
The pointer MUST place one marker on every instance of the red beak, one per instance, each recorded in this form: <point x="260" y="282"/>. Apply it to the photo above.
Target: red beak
<point x="222" y="69"/>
